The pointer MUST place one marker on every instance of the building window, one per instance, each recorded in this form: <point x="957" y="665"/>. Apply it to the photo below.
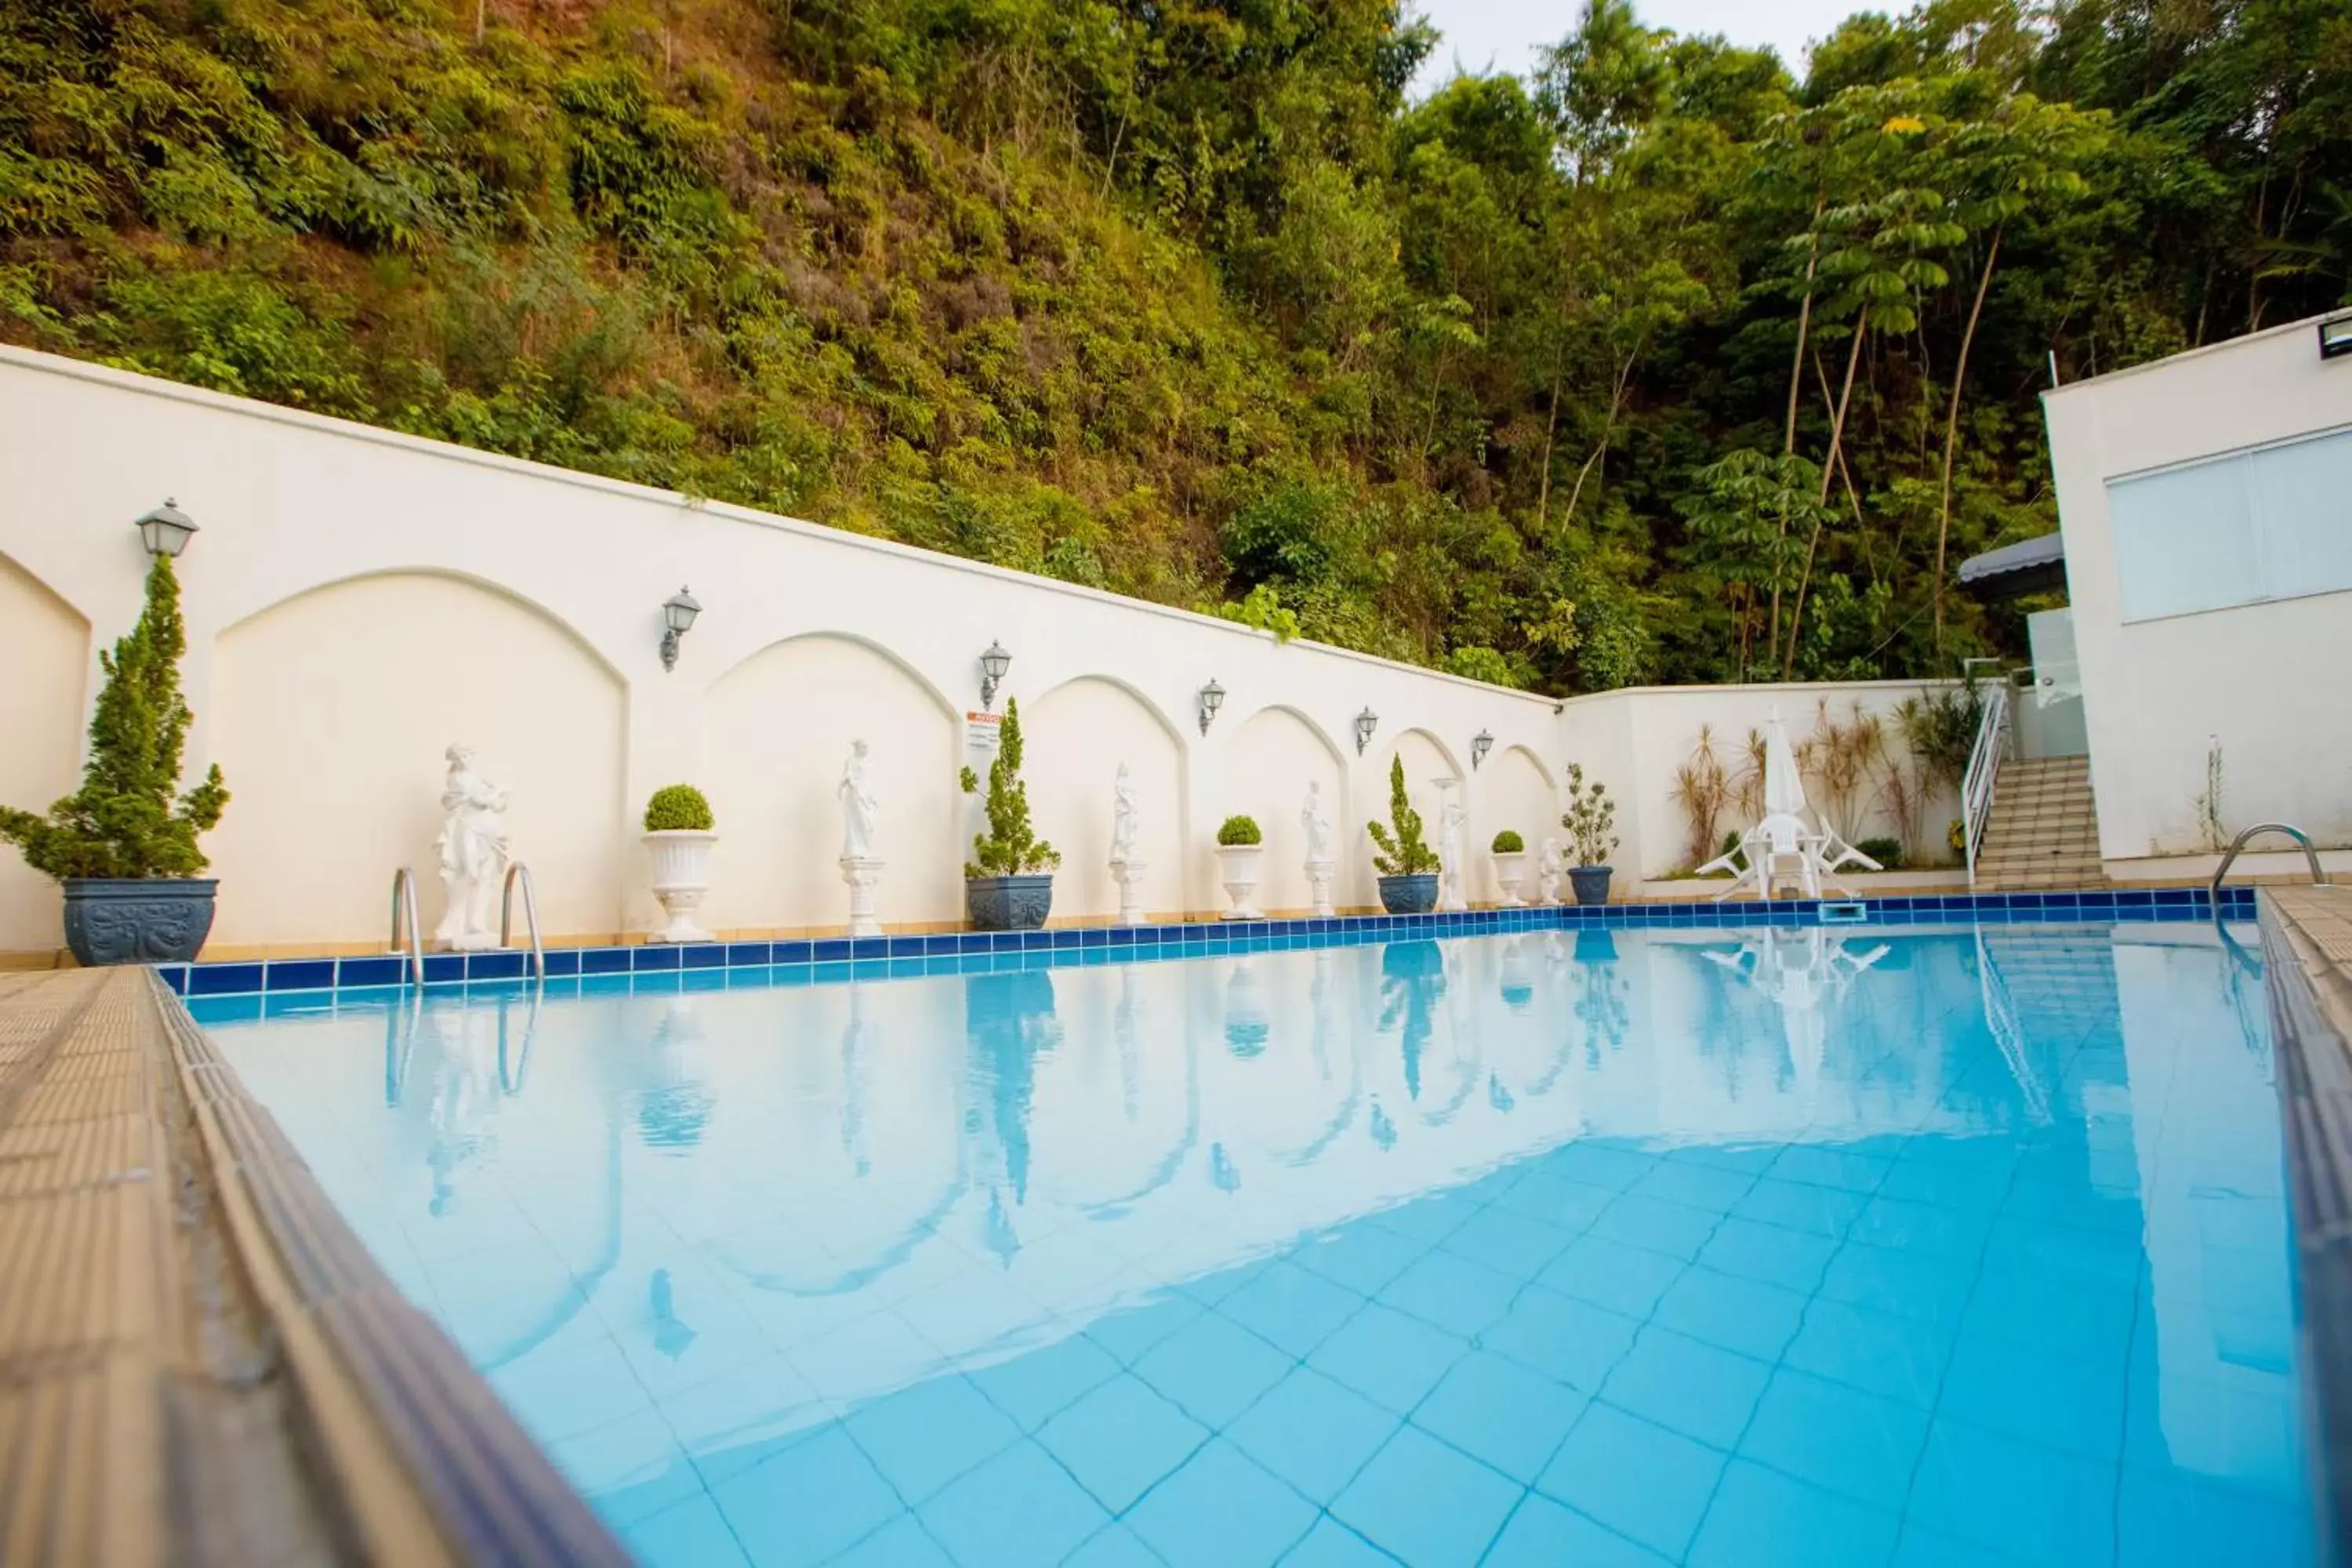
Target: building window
<point x="2245" y="529"/>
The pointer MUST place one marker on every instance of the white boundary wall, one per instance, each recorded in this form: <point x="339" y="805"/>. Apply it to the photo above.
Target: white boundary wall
<point x="358" y="599"/>
<point x="2265" y="680"/>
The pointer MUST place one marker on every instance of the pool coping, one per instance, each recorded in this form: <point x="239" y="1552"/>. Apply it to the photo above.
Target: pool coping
<point x="249" y="977"/>
<point x="2307" y="964"/>
<point x="214" y="1364"/>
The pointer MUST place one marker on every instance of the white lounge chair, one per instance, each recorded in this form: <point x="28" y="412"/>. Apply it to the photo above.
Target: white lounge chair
<point x="1779" y="844"/>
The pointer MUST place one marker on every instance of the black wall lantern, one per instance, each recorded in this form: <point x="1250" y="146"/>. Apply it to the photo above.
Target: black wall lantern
<point x="1480" y="744"/>
<point x="992" y="666"/>
<point x="166" y="530"/>
<point x="1366" y="722"/>
<point x="678" y="619"/>
<point x="1213" y="696"/>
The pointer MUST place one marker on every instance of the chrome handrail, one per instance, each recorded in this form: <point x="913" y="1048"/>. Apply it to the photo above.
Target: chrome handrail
<point x="518" y="871"/>
<point x="1984" y="770"/>
<point x="2228" y="857"/>
<point x="404" y="907"/>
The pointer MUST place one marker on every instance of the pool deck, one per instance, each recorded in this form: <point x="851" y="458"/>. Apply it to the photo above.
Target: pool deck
<point x="198" y="1364"/>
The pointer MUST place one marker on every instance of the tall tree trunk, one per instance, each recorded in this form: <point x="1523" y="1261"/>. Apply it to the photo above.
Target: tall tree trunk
<point x="1608" y="427"/>
<point x="1551" y="419"/>
<point x="1804" y="322"/>
<point x="1837" y="439"/>
<point x="1952" y="429"/>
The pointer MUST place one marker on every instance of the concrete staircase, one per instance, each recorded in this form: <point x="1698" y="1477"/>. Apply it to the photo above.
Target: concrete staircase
<point x="2044" y="832"/>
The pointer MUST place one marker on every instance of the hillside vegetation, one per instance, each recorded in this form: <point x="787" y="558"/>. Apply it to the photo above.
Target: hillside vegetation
<point x="1662" y="366"/>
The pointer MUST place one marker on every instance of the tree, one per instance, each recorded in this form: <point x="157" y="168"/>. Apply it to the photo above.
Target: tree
<point x="1011" y="847"/>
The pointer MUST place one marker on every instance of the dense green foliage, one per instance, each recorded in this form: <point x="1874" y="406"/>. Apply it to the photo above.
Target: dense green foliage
<point x="1508" y="842"/>
<point x="123" y="821"/>
<point x="1239" y="832"/>
<point x="1591" y="820"/>
<point x="1660" y="365"/>
<point x="1403" y="846"/>
<point x="678" y="808"/>
<point x="1011" y="847"/>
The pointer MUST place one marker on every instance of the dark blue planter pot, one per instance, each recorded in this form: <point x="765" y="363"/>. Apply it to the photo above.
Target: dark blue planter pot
<point x="1414" y="895"/>
<point x="1591" y="882"/>
<point x="1008" y="903"/>
<point x="138" y="920"/>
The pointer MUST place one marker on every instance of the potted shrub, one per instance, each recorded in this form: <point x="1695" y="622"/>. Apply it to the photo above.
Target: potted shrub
<point x="1009" y="880"/>
<point x="122" y="847"/>
<point x="1592" y="823"/>
<point x="678" y="836"/>
<point x="1510" y="866"/>
<point x="1240" y="852"/>
<point x="1407" y="865"/>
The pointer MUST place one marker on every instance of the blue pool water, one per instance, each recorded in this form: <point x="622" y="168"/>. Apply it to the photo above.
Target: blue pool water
<point x="1668" y="1245"/>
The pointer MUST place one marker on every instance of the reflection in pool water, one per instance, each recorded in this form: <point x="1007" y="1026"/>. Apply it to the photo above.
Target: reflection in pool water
<point x="1717" y="1247"/>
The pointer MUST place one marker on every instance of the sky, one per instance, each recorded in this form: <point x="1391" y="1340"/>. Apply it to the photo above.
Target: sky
<point x="1505" y="33"/>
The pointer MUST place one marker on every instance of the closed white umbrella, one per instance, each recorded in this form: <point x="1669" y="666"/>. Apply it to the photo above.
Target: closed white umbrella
<point x="1784" y="786"/>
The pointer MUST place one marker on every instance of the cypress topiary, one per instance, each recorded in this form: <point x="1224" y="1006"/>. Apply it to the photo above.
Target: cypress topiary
<point x="1404" y="852"/>
<point x="123" y="821"/>
<point x="1011" y="847"/>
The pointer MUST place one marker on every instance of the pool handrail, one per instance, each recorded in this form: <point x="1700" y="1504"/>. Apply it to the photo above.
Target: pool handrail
<point x="2229" y="855"/>
<point x="516" y="870"/>
<point x="404" y="909"/>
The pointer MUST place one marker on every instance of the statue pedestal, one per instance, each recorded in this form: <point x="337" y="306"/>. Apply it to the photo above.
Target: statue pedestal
<point x="1128" y="875"/>
<point x="862" y="872"/>
<point x="1319" y="883"/>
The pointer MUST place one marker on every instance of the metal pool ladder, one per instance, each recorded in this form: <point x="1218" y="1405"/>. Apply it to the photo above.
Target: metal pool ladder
<point x="517" y="871"/>
<point x="403" y="910"/>
<point x="2310" y="856"/>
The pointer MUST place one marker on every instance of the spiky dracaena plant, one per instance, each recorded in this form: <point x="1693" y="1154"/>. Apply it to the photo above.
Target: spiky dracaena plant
<point x="123" y="821"/>
<point x="1011" y="847"/>
<point x="1403" y="851"/>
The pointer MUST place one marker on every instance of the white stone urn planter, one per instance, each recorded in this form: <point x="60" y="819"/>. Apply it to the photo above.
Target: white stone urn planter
<point x="1239" y="866"/>
<point x="1510" y="874"/>
<point x="681" y="875"/>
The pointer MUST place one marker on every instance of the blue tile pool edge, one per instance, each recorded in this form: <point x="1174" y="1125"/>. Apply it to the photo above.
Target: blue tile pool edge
<point x="2314" y="1073"/>
<point x="1196" y="939"/>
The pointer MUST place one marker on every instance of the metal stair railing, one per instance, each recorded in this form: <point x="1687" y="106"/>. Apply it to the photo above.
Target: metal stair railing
<point x="1984" y="770"/>
<point x="2229" y="855"/>
<point x="404" y="910"/>
<point x="517" y="871"/>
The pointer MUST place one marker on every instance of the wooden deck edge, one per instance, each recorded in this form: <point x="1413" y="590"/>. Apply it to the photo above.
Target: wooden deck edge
<point x="2306" y="935"/>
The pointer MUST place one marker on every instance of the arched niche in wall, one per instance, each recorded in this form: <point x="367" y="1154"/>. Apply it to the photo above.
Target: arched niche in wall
<point x="331" y="713"/>
<point x="1515" y="792"/>
<point x="1427" y="761"/>
<point x="776" y="730"/>
<point x="1075" y="738"/>
<point x="1272" y="758"/>
<point x="45" y="648"/>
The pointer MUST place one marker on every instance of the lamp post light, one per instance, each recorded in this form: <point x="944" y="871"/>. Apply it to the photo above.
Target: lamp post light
<point x="1366" y="722"/>
<point x="1480" y="744"/>
<point x="992" y="666"/>
<point x="678" y="619"/>
<point x="1213" y="696"/>
<point x="167" y="530"/>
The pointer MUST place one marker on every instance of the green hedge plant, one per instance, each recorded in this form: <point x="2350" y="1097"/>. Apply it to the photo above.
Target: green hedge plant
<point x="1403" y="852"/>
<point x="1239" y="830"/>
<point x="123" y="822"/>
<point x="678" y="808"/>
<point x="1508" y="842"/>
<point x="1011" y="847"/>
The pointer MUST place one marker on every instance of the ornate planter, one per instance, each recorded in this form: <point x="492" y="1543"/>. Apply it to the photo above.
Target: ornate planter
<point x="1510" y="872"/>
<point x="1238" y="867"/>
<point x="138" y="920"/>
<point x="1591" y="882"/>
<point x="681" y="875"/>
<point x="1413" y="895"/>
<point x="1008" y="903"/>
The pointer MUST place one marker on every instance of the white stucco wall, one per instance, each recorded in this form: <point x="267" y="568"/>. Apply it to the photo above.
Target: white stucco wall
<point x="357" y="600"/>
<point x="2264" y="680"/>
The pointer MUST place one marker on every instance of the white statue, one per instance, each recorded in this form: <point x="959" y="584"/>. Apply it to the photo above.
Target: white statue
<point x="1549" y="870"/>
<point x="474" y="853"/>
<point x="1450" y="860"/>
<point x="1316" y="822"/>
<point x="858" y="805"/>
<point x="1124" y="824"/>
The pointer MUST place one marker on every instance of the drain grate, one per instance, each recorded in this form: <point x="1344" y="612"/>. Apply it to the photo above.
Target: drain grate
<point x="1851" y="912"/>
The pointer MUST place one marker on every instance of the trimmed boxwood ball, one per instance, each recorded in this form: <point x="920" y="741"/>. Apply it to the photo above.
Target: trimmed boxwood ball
<point x="1508" y="842"/>
<point x="1238" y="830"/>
<point x="678" y="808"/>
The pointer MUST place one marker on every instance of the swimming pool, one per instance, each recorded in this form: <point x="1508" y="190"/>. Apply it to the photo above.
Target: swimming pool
<point x="1825" y="1245"/>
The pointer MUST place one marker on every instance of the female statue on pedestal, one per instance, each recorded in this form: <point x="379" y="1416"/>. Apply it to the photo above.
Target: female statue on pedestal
<point x="1125" y="818"/>
<point x="1317" y="823"/>
<point x="859" y="809"/>
<point x="474" y="852"/>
